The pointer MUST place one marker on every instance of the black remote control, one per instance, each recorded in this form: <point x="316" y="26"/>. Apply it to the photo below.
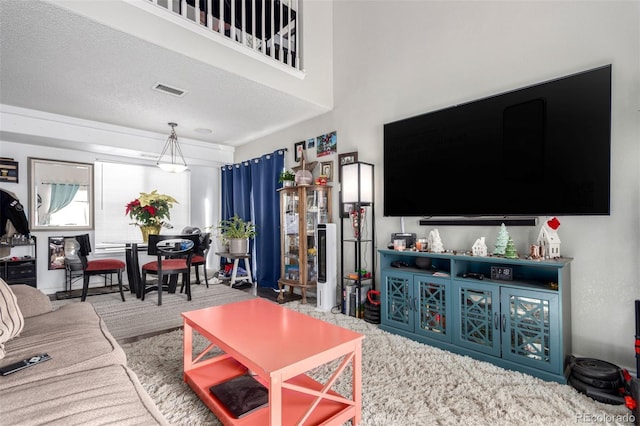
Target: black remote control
<point x="36" y="359"/>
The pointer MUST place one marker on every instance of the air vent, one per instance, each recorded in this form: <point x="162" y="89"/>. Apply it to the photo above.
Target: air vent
<point x="169" y="90"/>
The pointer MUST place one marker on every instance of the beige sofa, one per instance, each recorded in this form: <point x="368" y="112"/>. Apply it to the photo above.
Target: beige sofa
<point x="85" y="382"/>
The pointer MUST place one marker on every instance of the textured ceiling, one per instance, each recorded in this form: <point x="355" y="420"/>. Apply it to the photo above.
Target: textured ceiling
<point x="55" y="61"/>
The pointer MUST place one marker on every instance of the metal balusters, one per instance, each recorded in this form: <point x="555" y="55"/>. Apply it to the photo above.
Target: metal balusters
<point x="183" y="8"/>
<point x="295" y="34"/>
<point x="266" y="32"/>
<point x="209" y="15"/>
<point x="262" y="40"/>
<point x="280" y="30"/>
<point x="288" y="34"/>
<point x="243" y="34"/>
<point x="232" y="21"/>
<point x="221" y="23"/>
<point x="272" y="50"/>
<point x="253" y="24"/>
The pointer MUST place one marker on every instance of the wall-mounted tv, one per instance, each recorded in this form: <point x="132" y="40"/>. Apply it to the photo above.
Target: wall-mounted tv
<point x="540" y="150"/>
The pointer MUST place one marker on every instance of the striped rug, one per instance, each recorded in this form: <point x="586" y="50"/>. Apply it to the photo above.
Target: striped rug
<point x="135" y="318"/>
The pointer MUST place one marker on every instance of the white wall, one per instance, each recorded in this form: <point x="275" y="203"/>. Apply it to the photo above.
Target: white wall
<point x="205" y="185"/>
<point x="396" y="59"/>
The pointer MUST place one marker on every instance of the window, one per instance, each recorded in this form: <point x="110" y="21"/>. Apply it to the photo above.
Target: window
<point x="118" y="184"/>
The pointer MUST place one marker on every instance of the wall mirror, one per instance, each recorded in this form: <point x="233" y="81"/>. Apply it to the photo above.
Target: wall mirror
<point x="60" y="195"/>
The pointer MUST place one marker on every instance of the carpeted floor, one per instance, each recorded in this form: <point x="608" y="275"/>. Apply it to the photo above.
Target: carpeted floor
<point x="404" y="383"/>
<point x="136" y="318"/>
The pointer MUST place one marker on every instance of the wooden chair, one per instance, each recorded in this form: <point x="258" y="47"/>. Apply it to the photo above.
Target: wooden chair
<point x="174" y="254"/>
<point x="200" y="257"/>
<point x="104" y="267"/>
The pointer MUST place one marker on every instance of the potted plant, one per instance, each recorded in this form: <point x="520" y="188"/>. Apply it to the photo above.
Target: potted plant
<point x="287" y="178"/>
<point x="236" y="232"/>
<point x="150" y="211"/>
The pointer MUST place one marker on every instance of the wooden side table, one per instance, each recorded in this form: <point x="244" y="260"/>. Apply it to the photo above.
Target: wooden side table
<point x="236" y="259"/>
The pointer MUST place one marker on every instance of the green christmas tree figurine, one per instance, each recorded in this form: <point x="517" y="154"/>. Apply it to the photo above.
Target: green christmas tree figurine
<point x="510" y="250"/>
<point x="501" y="241"/>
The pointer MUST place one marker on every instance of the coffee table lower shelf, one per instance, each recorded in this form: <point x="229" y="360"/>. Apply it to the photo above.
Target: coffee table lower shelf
<point x="294" y="404"/>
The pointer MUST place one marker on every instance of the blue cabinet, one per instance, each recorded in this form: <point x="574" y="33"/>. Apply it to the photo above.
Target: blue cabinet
<point x="476" y="324"/>
<point x="522" y="323"/>
<point x="417" y="303"/>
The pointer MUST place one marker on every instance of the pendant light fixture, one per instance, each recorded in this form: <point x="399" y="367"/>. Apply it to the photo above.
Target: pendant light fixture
<point x="174" y="161"/>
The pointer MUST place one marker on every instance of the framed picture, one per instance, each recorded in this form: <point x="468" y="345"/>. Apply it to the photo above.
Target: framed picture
<point x="311" y="143"/>
<point x="348" y="158"/>
<point x="298" y="147"/>
<point x="326" y="168"/>
<point x="8" y="170"/>
<point x="56" y="252"/>
<point x="327" y="144"/>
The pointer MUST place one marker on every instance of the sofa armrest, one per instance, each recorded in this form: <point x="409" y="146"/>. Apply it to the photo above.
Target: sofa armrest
<point x="31" y="301"/>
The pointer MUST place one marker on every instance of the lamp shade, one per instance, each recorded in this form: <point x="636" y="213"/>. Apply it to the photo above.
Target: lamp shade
<point x="357" y="183"/>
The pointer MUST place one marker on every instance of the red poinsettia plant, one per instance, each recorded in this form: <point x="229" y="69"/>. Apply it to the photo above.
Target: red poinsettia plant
<point x="150" y="209"/>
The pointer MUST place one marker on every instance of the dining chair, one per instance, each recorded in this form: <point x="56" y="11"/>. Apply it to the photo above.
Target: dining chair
<point x="200" y="257"/>
<point x="173" y="257"/>
<point x="77" y="250"/>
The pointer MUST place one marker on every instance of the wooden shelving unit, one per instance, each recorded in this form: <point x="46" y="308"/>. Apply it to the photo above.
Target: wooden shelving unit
<point x="302" y="208"/>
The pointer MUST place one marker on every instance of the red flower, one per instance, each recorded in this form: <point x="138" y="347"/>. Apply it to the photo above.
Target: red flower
<point x="132" y="205"/>
<point x="151" y="210"/>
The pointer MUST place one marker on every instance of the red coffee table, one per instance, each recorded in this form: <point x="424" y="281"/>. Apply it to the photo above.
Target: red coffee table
<point x="279" y="346"/>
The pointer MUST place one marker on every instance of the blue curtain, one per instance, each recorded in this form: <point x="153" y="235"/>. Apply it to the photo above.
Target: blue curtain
<point x="264" y="182"/>
<point x="242" y="191"/>
<point x="249" y="191"/>
<point x="227" y="192"/>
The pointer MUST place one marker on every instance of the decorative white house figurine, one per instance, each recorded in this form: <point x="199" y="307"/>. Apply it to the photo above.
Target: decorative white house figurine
<point x="548" y="238"/>
<point x="501" y="241"/>
<point x="479" y="248"/>
<point x="435" y="242"/>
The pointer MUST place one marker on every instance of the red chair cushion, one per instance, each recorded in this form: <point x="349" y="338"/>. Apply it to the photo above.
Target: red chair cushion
<point x="168" y="265"/>
<point x="197" y="260"/>
<point x="104" y="265"/>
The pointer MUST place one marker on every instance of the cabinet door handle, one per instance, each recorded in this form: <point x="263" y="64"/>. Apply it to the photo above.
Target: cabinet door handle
<point x="504" y="323"/>
<point x="495" y="320"/>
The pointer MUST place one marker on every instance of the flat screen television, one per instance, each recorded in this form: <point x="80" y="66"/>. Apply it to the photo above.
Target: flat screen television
<point x="539" y="150"/>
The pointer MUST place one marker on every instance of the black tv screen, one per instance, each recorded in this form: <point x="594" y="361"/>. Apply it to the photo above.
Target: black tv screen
<point x="540" y="150"/>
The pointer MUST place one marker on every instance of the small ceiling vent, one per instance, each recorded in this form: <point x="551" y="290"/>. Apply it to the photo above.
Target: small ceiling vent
<point x="168" y="89"/>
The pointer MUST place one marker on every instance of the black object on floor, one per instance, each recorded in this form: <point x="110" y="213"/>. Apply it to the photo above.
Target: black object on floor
<point x="372" y="307"/>
<point x="597" y="379"/>
<point x="241" y="395"/>
<point x="268" y="293"/>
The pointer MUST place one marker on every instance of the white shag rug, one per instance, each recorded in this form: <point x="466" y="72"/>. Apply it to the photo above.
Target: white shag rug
<point x="404" y="383"/>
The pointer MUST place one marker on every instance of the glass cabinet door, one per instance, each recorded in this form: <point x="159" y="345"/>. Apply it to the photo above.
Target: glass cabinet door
<point x="530" y="328"/>
<point x="397" y="299"/>
<point x="478" y="320"/>
<point x="434" y="307"/>
<point x="316" y="211"/>
<point x="290" y="234"/>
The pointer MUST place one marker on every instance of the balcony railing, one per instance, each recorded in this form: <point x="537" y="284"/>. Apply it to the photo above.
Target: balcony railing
<point x="269" y="27"/>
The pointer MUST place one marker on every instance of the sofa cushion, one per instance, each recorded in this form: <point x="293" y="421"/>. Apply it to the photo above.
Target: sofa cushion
<point x="74" y="336"/>
<point x="11" y="320"/>
<point x="106" y="395"/>
<point x="31" y="301"/>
